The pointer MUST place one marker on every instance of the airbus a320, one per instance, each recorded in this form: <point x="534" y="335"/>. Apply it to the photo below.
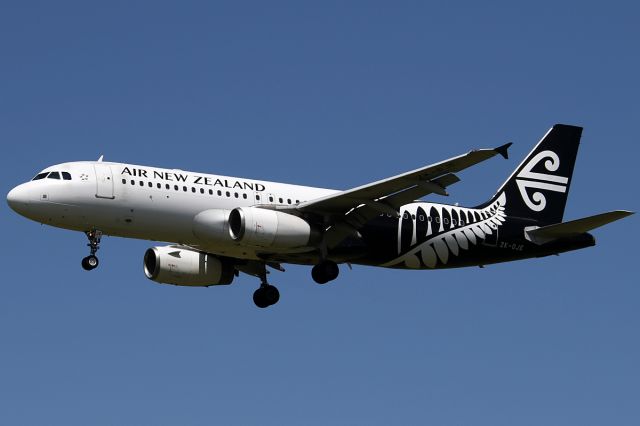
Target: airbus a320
<point x="219" y="226"/>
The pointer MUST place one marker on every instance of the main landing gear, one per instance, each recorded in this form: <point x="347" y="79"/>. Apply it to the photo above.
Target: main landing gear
<point x="91" y="262"/>
<point x="325" y="271"/>
<point x="267" y="294"/>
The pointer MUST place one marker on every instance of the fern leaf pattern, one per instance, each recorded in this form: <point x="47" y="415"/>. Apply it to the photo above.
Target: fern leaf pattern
<point x="449" y="230"/>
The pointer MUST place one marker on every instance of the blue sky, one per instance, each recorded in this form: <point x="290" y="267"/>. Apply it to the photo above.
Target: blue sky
<point x="332" y="94"/>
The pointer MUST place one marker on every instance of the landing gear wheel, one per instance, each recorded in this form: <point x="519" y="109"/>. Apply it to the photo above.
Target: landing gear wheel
<point x="259" y="299"/>
<point x="272" y="294"/>
<point x="266" y="296"/>
<point x="90" y="262"/>
<point x="325" y="271"/>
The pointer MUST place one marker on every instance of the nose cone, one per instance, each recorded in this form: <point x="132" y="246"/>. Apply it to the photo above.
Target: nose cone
<point x="18" y="199"/>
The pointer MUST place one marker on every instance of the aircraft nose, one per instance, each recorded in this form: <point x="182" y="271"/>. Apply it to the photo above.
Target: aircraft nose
<point x="18" y="199"/>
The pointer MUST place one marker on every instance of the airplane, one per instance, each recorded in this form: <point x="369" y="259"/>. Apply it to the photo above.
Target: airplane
<point x="219" y="226"/>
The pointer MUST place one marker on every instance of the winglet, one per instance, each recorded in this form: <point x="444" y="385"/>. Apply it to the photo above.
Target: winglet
<point x="503" y="150"/>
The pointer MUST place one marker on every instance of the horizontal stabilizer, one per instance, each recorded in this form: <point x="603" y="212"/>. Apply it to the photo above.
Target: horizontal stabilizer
<point x="574" y="227"/>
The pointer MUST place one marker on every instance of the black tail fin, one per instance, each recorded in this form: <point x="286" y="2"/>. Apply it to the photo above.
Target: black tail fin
<point x="539" y="186"/>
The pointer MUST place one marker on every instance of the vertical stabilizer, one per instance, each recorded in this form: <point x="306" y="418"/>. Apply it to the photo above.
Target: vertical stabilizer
<point x="539" y="186"/>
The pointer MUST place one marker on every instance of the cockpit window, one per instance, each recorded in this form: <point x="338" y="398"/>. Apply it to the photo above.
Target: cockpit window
<point x="40" y="176"/>
<point x="53" y="175"/>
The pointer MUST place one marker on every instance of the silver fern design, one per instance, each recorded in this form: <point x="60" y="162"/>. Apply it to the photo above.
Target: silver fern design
<point x="429" y="234"/>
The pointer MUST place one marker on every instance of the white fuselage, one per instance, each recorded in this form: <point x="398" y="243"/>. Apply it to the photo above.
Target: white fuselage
<point x="148" y="203"/>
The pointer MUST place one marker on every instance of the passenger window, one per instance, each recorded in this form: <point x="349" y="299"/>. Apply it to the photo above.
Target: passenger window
<point x="193" y="189"/>
<point x="202" y="190"/>
<point x="159" y="186"/>
<point x="141" y="183"/>
<point x="258" y="197"/>
<point x="288" y="200"/>
<point x="150" y="185"/>
<point x="211" y="192"/>
<point x="175" y="187"/>
<point x="219" y="193"/>
<point x="235" y="194"/>
<point x="184" y="188"/>
<point x="228" y="194"/>
<point x="124" y="181"/>
<point x="280" y="200"/>
<point x="271" y="199"/>
<point x="66" y="176"/>
<point x="133" y="182"/>
<point x="40" y="176"/>
<point x="167" y="186"/>
<point x="297" y="201"/>
<point x="54" y="175"/>
<point x="244" y="196"/>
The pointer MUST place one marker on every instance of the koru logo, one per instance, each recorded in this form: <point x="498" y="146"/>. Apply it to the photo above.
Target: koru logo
<point x="529" y="179"/>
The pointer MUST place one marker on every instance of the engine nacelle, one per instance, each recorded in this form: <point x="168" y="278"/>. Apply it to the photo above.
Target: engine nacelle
<point x="180" y="266"/>
<point x="212" y="226"/>
<point x="258" y="227"/>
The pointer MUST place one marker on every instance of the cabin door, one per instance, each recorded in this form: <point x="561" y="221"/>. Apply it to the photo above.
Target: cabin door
<point x="104" y="181"/>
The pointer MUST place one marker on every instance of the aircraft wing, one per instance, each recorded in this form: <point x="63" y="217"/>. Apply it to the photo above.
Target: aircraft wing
<point x="349" y="210"/>
<point x="422" y="181"/>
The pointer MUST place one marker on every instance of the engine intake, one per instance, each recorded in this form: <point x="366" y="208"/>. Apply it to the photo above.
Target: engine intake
<point x="258" y="227"/>
<point x="180" y="266"/>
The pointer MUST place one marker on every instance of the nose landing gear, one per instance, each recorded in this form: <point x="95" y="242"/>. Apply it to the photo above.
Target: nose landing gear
<point x="91" y="262"/>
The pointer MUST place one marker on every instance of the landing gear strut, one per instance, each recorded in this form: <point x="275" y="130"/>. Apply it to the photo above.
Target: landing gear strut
<point x="267" y="294"/>
<point x="325" y="271"/>
<point x="91" y="262"/>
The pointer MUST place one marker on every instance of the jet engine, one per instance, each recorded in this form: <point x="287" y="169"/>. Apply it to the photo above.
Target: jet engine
<point x="211" y="226"/>
<point x="257" y="227"/>
<point x="180" y="266"/>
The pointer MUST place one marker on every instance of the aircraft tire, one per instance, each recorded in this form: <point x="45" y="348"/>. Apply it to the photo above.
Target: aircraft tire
<point x="90" y="262"/>
<point x="266" y="296"/>
<point x="272" y="294"/>
<point x="325" y="271"/>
